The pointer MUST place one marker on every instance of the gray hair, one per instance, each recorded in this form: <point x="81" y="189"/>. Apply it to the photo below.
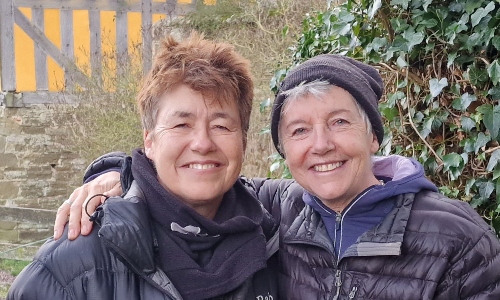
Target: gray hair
<point x="317" y="89"/>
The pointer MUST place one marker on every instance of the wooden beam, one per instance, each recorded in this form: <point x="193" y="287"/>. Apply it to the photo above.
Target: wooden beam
<point x="43" y="97"/>
<point x="95" y="44"/>
<point x="121" y="42"/>
<point x="47" y="46"/>
<point x="147" y="35"/>
<point x="7" y="61"/>
<point x="67" y="42"/>
<point x="112" y="5"/>
<point x="41" y="73"/>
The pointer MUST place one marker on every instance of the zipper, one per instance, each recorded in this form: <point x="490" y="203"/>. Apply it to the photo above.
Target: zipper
<point x="342" y="215"/>
<point x="338" y="284"/>
<point x="338" y="223"/>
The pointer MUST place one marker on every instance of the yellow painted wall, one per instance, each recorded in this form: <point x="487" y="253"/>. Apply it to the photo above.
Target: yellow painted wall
<point x="24" y="46"/>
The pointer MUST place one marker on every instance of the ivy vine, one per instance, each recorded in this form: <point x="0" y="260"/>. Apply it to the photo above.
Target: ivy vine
<point x="440" y="63"/>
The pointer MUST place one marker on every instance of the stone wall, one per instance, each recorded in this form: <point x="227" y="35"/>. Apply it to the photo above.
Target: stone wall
<point x="37" y="171"/>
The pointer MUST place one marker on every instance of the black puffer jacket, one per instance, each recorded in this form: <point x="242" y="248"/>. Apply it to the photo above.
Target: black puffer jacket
<point x="115" y="262"/>
<point x="427" y="247"/>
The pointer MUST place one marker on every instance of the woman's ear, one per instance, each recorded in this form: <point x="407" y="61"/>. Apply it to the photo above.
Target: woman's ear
<point x="374" y="144"/>
<point x="148" y="144"/>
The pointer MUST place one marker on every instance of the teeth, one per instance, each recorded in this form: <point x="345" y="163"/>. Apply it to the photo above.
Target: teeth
<point x="327" y="167"/>
<point x="201" y="167"/>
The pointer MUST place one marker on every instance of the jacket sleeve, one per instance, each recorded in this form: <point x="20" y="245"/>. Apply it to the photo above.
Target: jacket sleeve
<point x="112" y="161"/>
<point x="475" y="273"/>
<point x="273" y="193"/>
<point x="36" y="282"/>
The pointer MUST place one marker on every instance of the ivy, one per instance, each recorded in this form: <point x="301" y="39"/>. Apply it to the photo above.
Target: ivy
<point x="440" y="63"/>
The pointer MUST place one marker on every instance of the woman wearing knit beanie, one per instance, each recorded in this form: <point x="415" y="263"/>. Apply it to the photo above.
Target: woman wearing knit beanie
<point x="354" y="225"/>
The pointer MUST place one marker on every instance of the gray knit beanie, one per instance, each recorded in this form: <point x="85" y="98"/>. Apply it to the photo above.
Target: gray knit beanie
<point x="362" y="81"/>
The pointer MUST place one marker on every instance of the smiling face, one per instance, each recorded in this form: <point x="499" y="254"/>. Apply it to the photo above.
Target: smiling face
<point x="197" y="147"/>
<point x="327" y="146"/>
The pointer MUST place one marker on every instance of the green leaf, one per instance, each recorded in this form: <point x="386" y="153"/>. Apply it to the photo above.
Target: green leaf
<point x="274" y="166"/>
<point x="463" y="102"/>
<point x="264" y="105"/>
<point x="453" y="163"/>
<point x="451" y="59"/>
<point x="402" y="3"/>
<point x="496" y="42"/>
<point x="437" y="86"/>
<point x="480" y="13"/>
<point x="491" y="119"/>
<point x="494" y="159"/>
<point x="494" y="92"/>
<point x="481" y="141"/>
<point x="468" y="144"/>
<point x="470" y="6"/>
<point x="496" y="174"/>
<point x="494" y="72"/>
<point x="401" y="62"/>
<point x="486" y="188"/>
<point x="413" y="38"/>
<point x="455" y="89"/>
<point x="451" y="160"/>
<point x="427" y="126"/>
<point x="377" y="4"/>
<point x="468" y="185"/>
<point x="467" y="123"/>
<point x="477" y="75"/>
<point x="426" y="4"/>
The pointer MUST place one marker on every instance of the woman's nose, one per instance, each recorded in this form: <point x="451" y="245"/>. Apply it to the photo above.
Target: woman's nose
<point x="322" y="141"/>
<point x="202" y="141"/>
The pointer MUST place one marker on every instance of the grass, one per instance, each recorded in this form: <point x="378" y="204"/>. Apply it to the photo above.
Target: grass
<point x="12" y="266"/>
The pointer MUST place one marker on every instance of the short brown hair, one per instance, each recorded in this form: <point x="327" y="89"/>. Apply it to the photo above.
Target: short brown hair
<point x="214" y="69"/>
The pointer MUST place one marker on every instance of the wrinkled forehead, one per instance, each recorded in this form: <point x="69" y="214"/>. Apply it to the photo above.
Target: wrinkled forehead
<point x="321" y="92"/>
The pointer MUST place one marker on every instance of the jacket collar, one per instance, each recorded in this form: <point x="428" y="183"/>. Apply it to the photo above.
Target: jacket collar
<point x="384" y="239"/>
<point x="126" y="230"/>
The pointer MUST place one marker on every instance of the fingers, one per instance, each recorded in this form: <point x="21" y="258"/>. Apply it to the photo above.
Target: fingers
<point x="108" y="183"/>
<point x="84" y="204"/>
<point x="77" y="198"/>
<point x="61" y="219"/>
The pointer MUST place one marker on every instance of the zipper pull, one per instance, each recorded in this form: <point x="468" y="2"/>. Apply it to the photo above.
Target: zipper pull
<point x="353" y="292"/>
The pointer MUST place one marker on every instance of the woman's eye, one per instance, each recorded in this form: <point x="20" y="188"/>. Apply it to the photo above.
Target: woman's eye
<point x="298" y="131"/>
<point x="181" y="125"/>
<point x="339" y="122"/>
<point x="221" y="127"/>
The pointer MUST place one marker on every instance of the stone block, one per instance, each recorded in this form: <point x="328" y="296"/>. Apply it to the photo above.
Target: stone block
<point x="39" y="173"/>
<point x="8" y="160"/>
<point x="46" y="159"/>
<point x="13" y="174"/>
<point x="2" y="143"/>
<point x="8" y="225"/>
<point x="41" y="217"/>
<point x="33" y="235"/>
<point x="8" y="189"/>
<point x="32" y="130"/>
<point x="9" y="236"/>
<point x="16" y="143"/>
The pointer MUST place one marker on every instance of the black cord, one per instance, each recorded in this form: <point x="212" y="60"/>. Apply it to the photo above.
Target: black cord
<point x="96" y="195"/>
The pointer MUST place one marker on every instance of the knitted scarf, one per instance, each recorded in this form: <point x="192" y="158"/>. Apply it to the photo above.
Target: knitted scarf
<point x="203" y="258"/>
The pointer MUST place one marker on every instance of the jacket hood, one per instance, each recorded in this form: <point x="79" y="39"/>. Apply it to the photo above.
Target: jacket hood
<point x="400" y="175"/>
